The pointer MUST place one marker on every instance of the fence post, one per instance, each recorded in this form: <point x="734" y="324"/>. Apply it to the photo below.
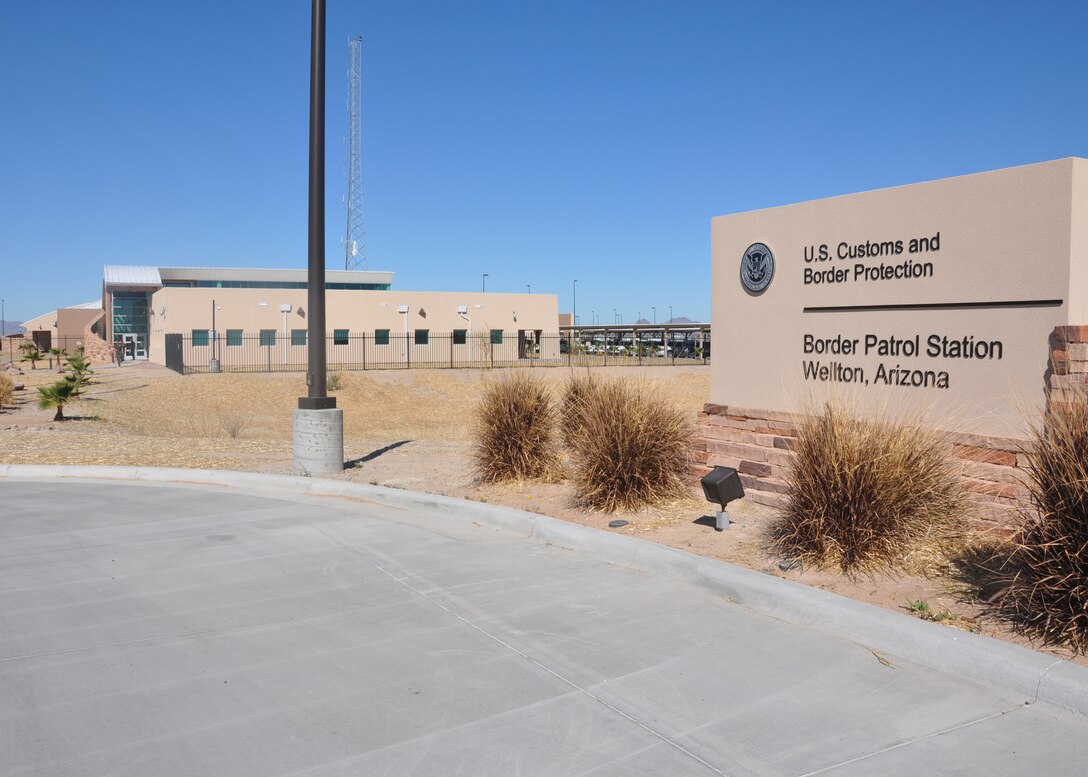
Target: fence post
<point x="269" y="352"/>
<point x="451" y="350"/>
<point x="364" y="351"/>
<point x="407" y="351"/>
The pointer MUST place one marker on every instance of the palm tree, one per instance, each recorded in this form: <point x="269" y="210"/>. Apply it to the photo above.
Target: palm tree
<point x="31" y="353"/>
<point x="58" y="353"/>
<point x="80" y="370"/>
<point x="58" y="395"/>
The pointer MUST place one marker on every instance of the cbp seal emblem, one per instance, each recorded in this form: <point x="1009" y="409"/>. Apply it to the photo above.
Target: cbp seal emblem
<point x="757" y="268"/>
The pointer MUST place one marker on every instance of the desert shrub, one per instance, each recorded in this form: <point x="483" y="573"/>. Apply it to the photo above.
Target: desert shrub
<point x="516" y="430"/>
<point x="864" y="492"/>
<point x="1048" y="570"/>
<point x="7" y="390"/>
<point x="575" y="391"/>
<point x="334" y="380"/>
<point x="235" y="422"/>
<point x="630" y="447"/>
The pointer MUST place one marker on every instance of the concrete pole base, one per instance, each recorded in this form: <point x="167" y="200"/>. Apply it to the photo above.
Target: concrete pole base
<point x="318" y="441"/>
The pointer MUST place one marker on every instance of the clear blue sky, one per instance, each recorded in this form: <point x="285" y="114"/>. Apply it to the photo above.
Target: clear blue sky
<point x="535" y="142"/>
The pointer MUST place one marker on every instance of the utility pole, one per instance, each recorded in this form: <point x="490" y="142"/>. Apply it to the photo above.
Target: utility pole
<point x="318" y="424"/>
<point x="355" y="234"/>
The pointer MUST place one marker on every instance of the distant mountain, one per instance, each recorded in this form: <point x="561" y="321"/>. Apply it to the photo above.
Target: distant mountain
<point x="681" y="320"/>
<point x="12" y="327"/>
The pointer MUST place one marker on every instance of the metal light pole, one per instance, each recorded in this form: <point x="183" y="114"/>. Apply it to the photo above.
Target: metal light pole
<point x="574" y="315"/>
<point x="529" y="286"/>
<point x="318" y="425"/>
<point x="213" y="362"/>
<point x="655" y="313"/>
<point x="670" y="314"/>
<point x="483" y="283"/>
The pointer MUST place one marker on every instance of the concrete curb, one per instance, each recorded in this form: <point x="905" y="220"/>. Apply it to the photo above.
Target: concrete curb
<point x="1035" y="676"/>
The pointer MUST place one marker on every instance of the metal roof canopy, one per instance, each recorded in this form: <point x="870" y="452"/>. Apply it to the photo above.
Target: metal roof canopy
<point x="131" y="275"/>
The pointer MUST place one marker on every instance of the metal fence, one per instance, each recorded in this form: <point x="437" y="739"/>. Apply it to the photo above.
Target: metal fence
<point x="369" y="351"/>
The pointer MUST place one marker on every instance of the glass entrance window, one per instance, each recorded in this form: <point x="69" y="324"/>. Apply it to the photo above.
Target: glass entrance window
<point x="131" y="321"/>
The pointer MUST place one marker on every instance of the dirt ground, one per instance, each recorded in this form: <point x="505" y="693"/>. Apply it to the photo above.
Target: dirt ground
<point x="414" y="430"/>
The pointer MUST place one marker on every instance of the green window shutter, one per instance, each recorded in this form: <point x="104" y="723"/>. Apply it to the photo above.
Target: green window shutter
<point x="496" y="337"/>
<point x="234" y="337"/>
<point x="381" y="337"/>
<point x="339" y="337"/>
<point x="460" y="336"/>
<point x="268" y="337"/>
<point x="298" y="337"/>
<point x="200" y="337"/>
<point x="421" y="336"/>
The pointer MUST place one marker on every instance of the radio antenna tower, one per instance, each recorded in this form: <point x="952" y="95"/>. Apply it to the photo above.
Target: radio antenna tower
<point x="355" y="236"/>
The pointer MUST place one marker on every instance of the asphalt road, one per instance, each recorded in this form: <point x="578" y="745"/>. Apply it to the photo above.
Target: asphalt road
<point x="192" y="630"/>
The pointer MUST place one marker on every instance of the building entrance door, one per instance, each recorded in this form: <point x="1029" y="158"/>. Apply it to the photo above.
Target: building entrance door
<point x="129" y="343"/>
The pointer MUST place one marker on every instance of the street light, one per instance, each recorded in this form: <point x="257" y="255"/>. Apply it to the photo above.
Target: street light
<point x="317" y="425"/>
<point x="483" y="283"/>
<point x="574" y="315"/>
<point x="529" y="286"/>
<point x="670" y="314"/>
<point x="655" y="313"/>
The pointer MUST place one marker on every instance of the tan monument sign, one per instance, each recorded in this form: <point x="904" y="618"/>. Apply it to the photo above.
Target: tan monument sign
<point x="936" y="298"/>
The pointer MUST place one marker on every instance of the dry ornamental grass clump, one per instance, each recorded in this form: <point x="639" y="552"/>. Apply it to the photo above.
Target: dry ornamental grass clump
<point x="516" y="430"/>
<point x="1048" y="591"/>
<point x="577" y="388"/>
<point x="7" y="390"/>
<point x="864" y="492"/>
<point x="630" y="446"/>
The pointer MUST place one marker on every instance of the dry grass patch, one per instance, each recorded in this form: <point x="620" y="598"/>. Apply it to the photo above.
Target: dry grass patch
<point x="1047" y="595"/>
<point x="865" y="493"/>
<point x="516" y="430"/>
<point x="630" y="446"/>
<point x="7" y="390"/>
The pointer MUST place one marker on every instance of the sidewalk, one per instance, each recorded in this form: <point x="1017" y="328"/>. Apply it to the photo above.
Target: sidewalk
<point x="172" y="628"/>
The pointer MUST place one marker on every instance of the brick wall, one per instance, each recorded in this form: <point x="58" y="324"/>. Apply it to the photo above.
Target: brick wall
<point x="1067" y="373"/>
<point x="97" y="350"/>
<point x="758" y="443"/>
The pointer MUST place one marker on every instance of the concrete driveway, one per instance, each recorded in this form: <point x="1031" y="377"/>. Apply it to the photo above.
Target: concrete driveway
<point x="195" y="630"/>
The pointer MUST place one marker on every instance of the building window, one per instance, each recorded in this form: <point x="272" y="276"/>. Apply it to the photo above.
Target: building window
<point x="234" y="337"/>
<point x="381" y="337"/>
<point x="268" y="337"/>
<point x="339" y="337"/>
<point x="298" y="337"/>
<point x="496" y="337"/>
<point x="421" y="336"/>
<point x="460" y="336"/>
<point x="200" y="337"/>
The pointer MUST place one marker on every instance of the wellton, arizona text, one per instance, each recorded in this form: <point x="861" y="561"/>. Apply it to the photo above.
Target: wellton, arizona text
<point x="870" y="271"/>
<point x="936" y="346"/>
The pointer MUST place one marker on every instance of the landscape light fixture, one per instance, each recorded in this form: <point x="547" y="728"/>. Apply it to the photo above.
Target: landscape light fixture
<point x="721" y="486"/>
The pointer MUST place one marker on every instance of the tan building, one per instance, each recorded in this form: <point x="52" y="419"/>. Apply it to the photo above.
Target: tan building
<point x="241" y="315"/>
<point x="64" y="327"/>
